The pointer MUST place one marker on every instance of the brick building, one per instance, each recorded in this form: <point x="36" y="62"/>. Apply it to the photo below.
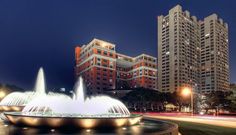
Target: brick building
<point x="103" y="68"/>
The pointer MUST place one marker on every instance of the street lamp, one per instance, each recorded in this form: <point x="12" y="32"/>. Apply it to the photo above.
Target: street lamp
<point x="188" y="91"/>
<point x="2" y="94"/>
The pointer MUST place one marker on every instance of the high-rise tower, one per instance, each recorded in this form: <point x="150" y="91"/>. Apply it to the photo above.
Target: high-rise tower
<point x="192" y="53"/>
<point x="178" y="51"/>
<point x="214" y="54"/>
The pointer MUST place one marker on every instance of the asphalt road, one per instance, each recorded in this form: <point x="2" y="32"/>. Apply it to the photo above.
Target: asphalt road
<point x="210" y="120"/>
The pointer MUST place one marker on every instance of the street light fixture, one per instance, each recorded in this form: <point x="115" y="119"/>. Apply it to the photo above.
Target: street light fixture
<point x="188" y="91"/>
<point x="2" y="94"/>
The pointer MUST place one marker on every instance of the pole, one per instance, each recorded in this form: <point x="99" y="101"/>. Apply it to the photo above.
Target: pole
<point x="192" y="103"/>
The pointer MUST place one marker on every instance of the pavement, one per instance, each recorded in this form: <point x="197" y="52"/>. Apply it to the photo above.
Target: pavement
<point x="223" y="121"/>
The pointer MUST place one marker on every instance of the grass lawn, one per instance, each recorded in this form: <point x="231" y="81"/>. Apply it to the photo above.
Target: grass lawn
<point x="188" y="128"/>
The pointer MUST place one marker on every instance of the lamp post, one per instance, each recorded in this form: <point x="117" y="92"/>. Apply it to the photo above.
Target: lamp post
<point x="188" y="91"/>
<point x="192" y="102"/>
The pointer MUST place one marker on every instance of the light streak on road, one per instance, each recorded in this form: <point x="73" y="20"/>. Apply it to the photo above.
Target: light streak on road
<point x="217" y="121"/>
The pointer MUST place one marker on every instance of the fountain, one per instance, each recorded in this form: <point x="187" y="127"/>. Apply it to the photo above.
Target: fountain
<point x="80" y="114"/>
<point x="80" y="110"/>
<point x="80" y="104"/>
<point x="16" y="101"/>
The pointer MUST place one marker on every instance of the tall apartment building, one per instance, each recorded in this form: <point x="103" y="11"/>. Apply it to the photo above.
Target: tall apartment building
<point x="192" y="53"/>
<point x="178" y="50"/>
<point x="214" y="54"/>
<point x="103" y="68"/>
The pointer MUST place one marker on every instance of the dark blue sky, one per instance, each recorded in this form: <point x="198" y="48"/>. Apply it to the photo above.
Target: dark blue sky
<point x="36" y="33"/>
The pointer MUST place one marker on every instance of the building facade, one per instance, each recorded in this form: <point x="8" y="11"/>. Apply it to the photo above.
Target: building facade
<point x="178" y="50"/>
<point x="185" y="55"/>
<point x="104" y="69"/>
<point x="134" y="72"/>
<point x="214" y="54"/>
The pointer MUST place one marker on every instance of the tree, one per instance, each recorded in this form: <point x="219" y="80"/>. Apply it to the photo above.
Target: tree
<point x="215" y="100"/>
<point x="143" y="94"/>
<point x="232" y="98"/>
<point x="143" y="98"/>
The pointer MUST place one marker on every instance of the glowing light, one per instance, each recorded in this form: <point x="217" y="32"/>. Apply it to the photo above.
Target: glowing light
<point x="25" y="128"/>
<point x="2" y="94"/>
<point x="207" y="35"/>
<point x="52" y="130"/>
<point x="5" y="125"/>
<point x="201" y="113"/>
<point x="103" y="44"/>
<point x="186" y="91"/>
<point x="124" y="128"/>
<point x="88" y="130"/>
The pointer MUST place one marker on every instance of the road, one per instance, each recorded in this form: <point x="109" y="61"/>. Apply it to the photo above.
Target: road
<point x="211" y="120"/>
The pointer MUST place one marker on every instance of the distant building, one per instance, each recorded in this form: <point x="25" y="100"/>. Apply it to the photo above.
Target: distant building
<point x="192" y="53"/>
<point x="104" y="69"/>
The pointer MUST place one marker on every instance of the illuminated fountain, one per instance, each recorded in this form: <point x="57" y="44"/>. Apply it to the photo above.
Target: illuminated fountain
<point x="79" y="111"/>
<point x="79" y="105"/>
<point x="16" y="101"/>
<point x="88" y="113"/>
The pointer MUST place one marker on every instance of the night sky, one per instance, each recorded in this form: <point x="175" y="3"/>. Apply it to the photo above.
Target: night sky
<point x="36" y="33"/>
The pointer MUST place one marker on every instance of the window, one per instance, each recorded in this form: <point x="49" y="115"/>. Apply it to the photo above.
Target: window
<point x="99" y="51"/>
<point x="105" y="53"/>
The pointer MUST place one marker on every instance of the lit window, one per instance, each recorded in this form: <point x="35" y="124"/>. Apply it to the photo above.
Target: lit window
<point x="207" y="35"/>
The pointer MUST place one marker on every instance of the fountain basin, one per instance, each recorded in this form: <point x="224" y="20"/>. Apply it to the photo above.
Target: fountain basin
<point x="11" y="108"/>
<point x="18" y="118"/>
<point x="146" y="127"/>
